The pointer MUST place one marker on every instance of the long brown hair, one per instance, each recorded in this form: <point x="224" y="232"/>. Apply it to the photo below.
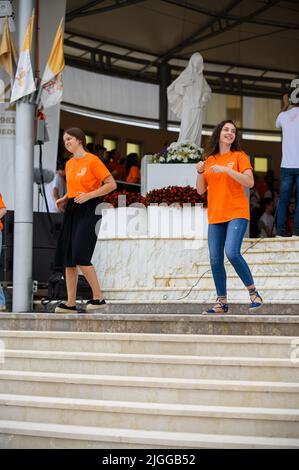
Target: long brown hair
<point x="77" y="133"/>
<point x="212" y="146"/>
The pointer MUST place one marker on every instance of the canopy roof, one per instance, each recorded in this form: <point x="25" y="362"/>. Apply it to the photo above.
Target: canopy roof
<point x="249" y="46"/>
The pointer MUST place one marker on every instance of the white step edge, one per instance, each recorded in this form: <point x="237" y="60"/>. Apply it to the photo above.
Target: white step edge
<point x="159" y="409"/>
<point x="129" y="436"/>
<point x="152" y="358"/>
<point x="154" y="382"/>
<point x="142" y="337"/>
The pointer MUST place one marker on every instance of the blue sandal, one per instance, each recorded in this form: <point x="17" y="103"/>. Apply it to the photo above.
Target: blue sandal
<point x="223" y="308"/>
<point x="253" y="306"/>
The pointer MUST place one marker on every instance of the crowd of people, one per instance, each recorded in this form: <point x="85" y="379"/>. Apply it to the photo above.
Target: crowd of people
<point x="124" y="169"/>
<point x="264" y="199"/>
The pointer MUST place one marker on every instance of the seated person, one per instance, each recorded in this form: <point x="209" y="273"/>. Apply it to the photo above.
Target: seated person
<point x="266" y="222"/>
<point x="133" y="172"/>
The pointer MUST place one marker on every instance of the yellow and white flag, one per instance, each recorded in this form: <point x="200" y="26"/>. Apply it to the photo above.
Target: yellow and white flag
<point x="52" y="86"/>
<point x="24" y="82"/>
<point x="8" y="55"/>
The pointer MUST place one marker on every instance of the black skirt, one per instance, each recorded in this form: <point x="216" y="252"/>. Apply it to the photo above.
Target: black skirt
<point x="77" y="237"/>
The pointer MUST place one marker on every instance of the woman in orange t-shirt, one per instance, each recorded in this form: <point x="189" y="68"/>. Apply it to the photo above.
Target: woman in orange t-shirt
<point x="225" y="172"/>
<point x="2" y="214"/>
<point x="87" y="179"/>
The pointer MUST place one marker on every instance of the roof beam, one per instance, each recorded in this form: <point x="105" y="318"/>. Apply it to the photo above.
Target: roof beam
<point x="77" y="45"/>
<point x="208" y="12"/>
<point x="71" y="15"/>
<point x="116" y="4"/>
<point x="215" y="26"/>
<point x="112" y="55"/>
<point x="210" y="24"/>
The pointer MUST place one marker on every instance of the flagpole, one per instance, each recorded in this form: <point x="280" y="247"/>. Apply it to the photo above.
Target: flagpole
<point x="24" y="163"/>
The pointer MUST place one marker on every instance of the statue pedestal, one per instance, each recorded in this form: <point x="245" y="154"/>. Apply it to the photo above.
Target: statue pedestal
<point x="160" y="175"/>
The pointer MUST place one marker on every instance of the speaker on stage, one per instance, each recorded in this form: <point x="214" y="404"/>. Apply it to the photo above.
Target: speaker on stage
<point x="45" y="235"/>
<point x="7" y="231"/>
<point x="6" y="259"/>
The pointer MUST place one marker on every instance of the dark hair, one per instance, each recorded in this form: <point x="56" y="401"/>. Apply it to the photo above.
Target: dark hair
<point x="266" y="201"/>
<point x="212" y="146"/>
<point x="90" y="147"/>
<point x="77" y="133"/>
<point x="61" y="165"/>
<point x="132" y="160"/>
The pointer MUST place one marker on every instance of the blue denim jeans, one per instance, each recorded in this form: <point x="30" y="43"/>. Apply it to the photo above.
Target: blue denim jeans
<point x="228" y="237"/>
<point x="288" y="178"/>
<point x="2" y="297"/>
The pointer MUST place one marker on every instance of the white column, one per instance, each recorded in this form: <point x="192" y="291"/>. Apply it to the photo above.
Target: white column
<point x="23" y="217"/>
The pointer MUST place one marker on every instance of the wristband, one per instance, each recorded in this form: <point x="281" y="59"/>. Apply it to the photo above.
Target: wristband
<point x="200" y="172"/>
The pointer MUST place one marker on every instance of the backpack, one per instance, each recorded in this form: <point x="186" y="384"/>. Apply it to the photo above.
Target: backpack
<point x="57" y="286"/>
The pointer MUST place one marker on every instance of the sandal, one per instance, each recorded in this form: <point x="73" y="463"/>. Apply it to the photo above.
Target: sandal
<point x="253" y="306"/>
<point x="220" y="306"/>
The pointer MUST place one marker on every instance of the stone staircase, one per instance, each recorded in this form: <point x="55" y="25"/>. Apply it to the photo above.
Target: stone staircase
<point x="165" y="270"/>
<point x="132" y="390"/>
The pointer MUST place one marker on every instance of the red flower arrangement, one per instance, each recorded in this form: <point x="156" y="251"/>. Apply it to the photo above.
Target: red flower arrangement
<point x="175" y="194"/>
<point x="130" y="198"/>
<point x="169" y="195"/>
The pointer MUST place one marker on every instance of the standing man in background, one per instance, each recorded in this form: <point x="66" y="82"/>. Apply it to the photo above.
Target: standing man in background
<point x="288" y="121"/>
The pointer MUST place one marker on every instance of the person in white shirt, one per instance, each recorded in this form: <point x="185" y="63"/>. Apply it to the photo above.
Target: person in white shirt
<point x="59" y="188"/>
<point x="56" y="189"/>
<point x="288" y="121"/>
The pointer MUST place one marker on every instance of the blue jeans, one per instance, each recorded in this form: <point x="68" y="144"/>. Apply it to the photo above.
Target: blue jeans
<point x="288" y="178"/>
<point x="2" y="297"/>
<point x="228" y="237"/>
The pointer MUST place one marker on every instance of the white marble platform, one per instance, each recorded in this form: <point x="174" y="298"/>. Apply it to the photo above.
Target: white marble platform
<point x="147" y="269"/>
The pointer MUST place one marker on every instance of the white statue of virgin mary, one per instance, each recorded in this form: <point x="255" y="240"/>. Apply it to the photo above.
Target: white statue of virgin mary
<point x="187" y="96"/>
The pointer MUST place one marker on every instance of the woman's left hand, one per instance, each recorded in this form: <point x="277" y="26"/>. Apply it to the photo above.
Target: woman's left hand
<point x="219" y="169"/>
<point x="83" y="197"/>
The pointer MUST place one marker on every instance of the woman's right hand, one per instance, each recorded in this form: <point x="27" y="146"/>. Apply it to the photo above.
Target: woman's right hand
<point x="200" y="167"/>
<point x="61" y="204"/>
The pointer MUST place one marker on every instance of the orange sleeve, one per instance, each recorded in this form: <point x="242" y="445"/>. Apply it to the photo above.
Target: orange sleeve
<point x="2" y="205"/>
<point x="243" y="162"/>
<point x="99" y="170"/>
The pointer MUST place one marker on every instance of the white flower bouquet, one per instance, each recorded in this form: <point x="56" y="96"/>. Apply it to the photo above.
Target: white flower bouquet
<point x="179" y="152"/>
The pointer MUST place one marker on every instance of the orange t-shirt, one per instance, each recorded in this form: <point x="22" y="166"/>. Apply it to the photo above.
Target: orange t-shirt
<point x="226" y="197"/>
<point x="84" y="174"/>
<point x="2" y="206"/>
<point x="134" y="175"/>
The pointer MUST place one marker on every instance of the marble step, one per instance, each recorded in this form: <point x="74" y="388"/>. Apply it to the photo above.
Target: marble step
<point x="161" y="344"/>
<point x="151" y="389"/>
<point x="269" y="280"/>
<point x="289" y="242"/>
<point x="251" y="255"/>
<point x="200" y="367"/>
<point x="28" y="435"/>
<point x="202" y="295"/>
<point x="259" y="267"/>
<point x="232" y="420"/>
<point x="277" y="319"/>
